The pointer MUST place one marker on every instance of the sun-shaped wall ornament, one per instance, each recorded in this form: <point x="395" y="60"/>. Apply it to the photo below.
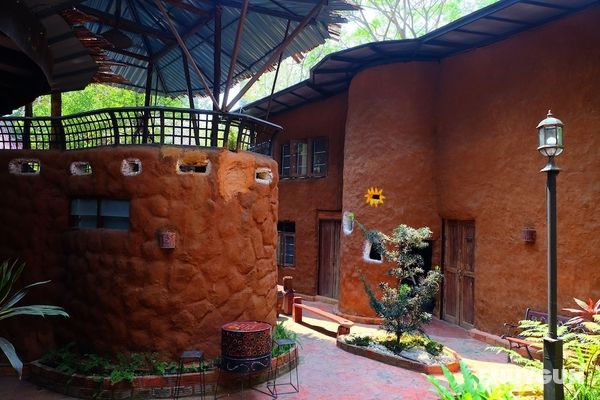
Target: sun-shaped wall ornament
<point x="374" y="197"/>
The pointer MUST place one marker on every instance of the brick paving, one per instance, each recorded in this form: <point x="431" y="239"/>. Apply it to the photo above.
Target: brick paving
<point x="327" y="372"/>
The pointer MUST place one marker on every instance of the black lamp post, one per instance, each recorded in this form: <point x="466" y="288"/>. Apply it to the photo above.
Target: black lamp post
<point x="550" y="132"/>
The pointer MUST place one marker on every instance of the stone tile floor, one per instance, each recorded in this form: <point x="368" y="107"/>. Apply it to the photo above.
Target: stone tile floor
<point x="327" y="372"/>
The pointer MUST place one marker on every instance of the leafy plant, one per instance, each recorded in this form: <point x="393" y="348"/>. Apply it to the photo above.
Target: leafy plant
<point x="361" y="341"/>
<point x="402" y="306"/>
<point x="409" y="341"/>
<point x="9" y="274"/>
<point x="581" y="350"/>
<point x="281" y="332"/>
<point x="470" y="389"/>
<point x="434" y="348"/>
<point x="586" y="313"/>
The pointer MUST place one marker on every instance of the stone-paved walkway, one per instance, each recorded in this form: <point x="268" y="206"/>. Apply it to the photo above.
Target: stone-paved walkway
<point x="327" y="372"/>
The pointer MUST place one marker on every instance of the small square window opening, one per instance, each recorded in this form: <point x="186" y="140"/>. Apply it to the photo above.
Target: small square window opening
<point x="21" y="166"/>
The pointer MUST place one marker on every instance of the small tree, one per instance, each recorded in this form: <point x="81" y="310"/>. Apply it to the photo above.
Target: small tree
<point x="402" y="305"/>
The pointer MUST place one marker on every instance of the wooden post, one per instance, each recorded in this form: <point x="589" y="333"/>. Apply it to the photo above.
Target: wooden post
<point x="188" y="81"/>
<point x="217" y="56"/>
<point x="147" y="96"/>
<point x="287" y="29"/>
<point x="275" y="54"/>
<point x="56" y="138"/>
<point x="27" y="126"/>
<point x="186" y="51"/>
<point x="214" y="132"/>
<point x="288" y="297"/>
<point x="234" y="55"/>
<point x="297" y="311"/>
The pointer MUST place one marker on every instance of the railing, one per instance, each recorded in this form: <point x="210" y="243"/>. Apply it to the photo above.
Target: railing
<point x="138" y="125"/>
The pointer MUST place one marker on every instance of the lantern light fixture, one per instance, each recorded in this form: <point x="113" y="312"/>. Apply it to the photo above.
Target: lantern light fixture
<point x="550" y="136"/>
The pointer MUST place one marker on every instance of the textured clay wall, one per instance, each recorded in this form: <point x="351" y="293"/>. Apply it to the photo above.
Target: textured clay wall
<point x="300" y="200"/>
<point x="124" y="292"/>
<point x="487" y="165"/>
<point x="390" y="145"/>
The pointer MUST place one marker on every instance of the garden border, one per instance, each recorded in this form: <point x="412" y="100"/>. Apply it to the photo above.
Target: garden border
<point x="142" y="387"/>
<point x="399" y="361"/>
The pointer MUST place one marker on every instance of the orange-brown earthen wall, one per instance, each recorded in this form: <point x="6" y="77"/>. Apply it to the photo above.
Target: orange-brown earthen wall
<point x="389" y="145"/>
<point x="457" y="140"/>
<point x="301" y="199"/>
<point x="490" y="101"/>
<point x="122" y="291"/>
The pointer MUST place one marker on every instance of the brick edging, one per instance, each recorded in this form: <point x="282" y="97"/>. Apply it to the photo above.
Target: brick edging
<point x="142" y="387"/>
<point x="398" y="361"/>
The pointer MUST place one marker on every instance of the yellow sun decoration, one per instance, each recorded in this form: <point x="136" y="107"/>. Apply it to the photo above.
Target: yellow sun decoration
<point x="374" y="197"/>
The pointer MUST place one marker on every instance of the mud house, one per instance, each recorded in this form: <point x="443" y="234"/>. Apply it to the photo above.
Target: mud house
<point x="445" y="125"/>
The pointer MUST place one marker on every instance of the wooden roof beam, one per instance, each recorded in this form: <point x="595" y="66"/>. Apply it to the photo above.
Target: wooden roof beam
<point x="199" y="24"/>
<point x="125" y="24"/>
<point x="187" y="53"/>
<point x="269" y="11"/>
<point x="277" y="52"/>
<point x="187" y="7"/>
<point x="236" y="49"/>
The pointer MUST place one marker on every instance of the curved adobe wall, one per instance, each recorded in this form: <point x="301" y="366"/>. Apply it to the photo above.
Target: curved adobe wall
<point x="301" y="200"/>
<point x="389" y="144"/>
<point x="124" y="292"/>
<point x="491" y="100"/>
<point x="458" y="141"/>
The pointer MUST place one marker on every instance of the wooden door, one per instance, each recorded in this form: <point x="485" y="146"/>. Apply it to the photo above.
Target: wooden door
<point x="329" y="258"/>
<point x="459" y="272"/>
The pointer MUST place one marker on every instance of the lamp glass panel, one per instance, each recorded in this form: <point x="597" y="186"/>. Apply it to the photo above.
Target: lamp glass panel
<point x="550" y="133"/>
<point x="541" y="136"/>
<point x="559" y="135"/>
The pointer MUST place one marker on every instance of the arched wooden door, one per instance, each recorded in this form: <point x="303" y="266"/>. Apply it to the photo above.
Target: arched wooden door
<point x="459" y="272"/>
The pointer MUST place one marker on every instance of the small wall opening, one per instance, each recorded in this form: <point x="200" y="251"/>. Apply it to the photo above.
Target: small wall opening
<point x="22" y="166"/>
<point x="131" y="167"/>
<point x="193" y="168"/>
<point x="263" y="176"/>
<point x="80" y="168"/>
<point x="371" y="253"/>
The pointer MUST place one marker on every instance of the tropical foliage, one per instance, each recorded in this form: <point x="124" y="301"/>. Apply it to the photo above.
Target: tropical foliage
<point x="122" y="367"/>
<point x="581" y="349"/>
<point x="402" y="304"/>
<point x="470" y="389"/>
<point x="9" y="274"/>
<point x="280" y="331"/>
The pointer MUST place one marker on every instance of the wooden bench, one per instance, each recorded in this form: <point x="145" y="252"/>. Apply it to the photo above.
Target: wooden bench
<point x="344" y="325"/>
<point x="517" y="342"/>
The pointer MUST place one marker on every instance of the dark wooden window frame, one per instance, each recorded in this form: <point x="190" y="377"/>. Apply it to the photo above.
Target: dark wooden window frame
<point x="286" y="231"/>
<point x="289" y="170"/>
<point x="100" y="217"/>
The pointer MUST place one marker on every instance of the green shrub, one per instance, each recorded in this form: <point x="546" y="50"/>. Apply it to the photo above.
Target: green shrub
<point x="361" y="341"/>
<point x="434" y="348"/>
<point x="122" y="367"/>
<point x="402" y="303"/>
<point x="281" y="332"/>
<point x="470" y="389"/>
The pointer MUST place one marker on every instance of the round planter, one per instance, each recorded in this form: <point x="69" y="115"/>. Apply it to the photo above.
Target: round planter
<point x="434" y="369"/>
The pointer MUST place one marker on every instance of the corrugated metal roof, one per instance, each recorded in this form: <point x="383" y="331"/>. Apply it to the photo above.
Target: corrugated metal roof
<point x="491" y="24"/>
<point x="143" y="23"/>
